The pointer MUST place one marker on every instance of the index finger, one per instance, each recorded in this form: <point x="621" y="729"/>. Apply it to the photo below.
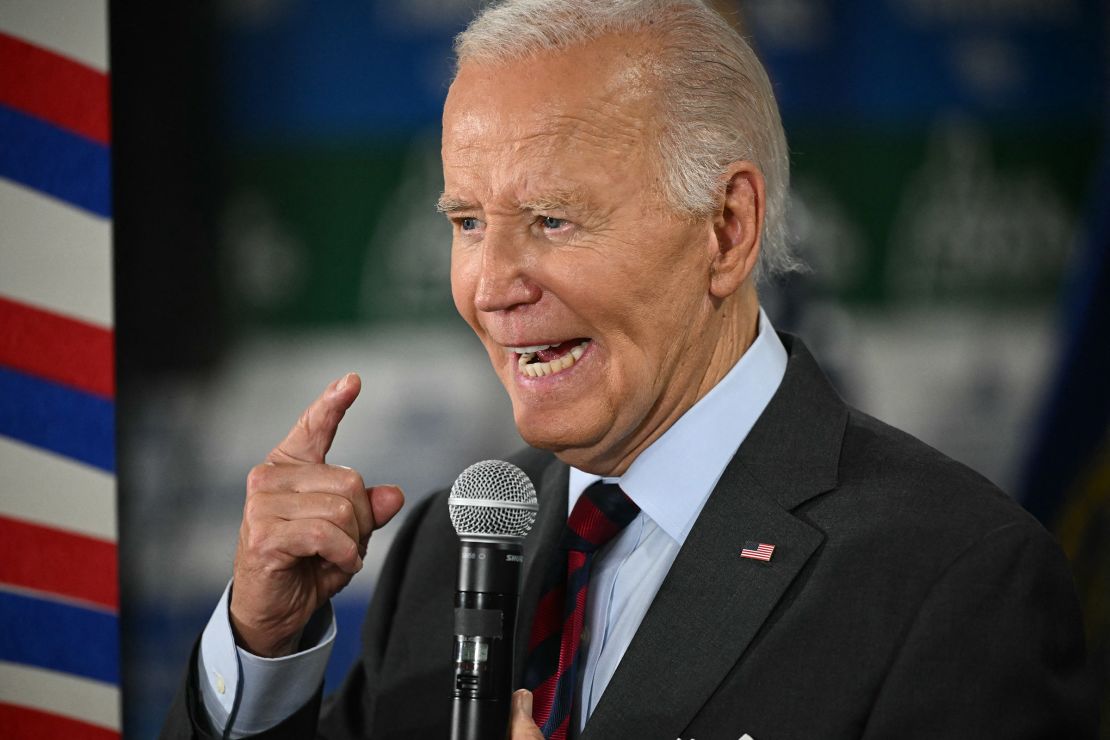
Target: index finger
<point x="310" y="438"/>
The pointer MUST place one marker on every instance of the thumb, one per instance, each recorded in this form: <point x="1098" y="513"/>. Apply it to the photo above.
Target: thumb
<point x="310" y="438"/>
<point x="522" y="727"/>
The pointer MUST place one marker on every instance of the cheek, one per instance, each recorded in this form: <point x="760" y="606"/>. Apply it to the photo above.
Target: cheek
<point x="657" y="327"/>
<point x="463" y="281"/>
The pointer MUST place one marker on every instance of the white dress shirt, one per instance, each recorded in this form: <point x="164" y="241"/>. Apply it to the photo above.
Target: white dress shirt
<point x="670" y="481"/>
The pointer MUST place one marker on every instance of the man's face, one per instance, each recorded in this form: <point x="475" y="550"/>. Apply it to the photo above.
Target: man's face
<point x="562" y="240"/>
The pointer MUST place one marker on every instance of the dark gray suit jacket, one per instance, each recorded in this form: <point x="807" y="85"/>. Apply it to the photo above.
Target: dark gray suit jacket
<point x="906" y="598"/>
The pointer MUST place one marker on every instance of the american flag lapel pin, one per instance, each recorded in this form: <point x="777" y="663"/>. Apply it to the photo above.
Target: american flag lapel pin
<point x="757" y="551"/>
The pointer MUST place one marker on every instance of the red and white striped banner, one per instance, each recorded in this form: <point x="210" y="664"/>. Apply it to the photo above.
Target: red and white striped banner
<point x="59" y="589"/>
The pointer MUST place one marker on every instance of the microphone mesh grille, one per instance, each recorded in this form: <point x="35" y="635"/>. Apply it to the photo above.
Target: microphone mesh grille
<point x="493" y="498"/>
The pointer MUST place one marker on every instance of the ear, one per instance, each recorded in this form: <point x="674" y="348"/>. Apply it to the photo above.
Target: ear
<point x="737" y="227"/>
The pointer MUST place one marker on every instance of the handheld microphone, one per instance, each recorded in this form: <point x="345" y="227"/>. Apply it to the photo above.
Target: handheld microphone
<point x="493" y="505"/>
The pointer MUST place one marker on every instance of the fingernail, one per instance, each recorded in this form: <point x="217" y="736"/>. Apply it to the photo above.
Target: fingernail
<point x="342" y="383"/>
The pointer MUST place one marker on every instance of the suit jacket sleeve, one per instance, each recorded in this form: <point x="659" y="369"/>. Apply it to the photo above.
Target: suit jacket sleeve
<point x="347" y="713"/>
<point x="996" y="649"/>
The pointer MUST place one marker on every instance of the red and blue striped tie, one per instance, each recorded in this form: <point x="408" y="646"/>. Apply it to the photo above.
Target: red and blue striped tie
<point x="602" y="511"/>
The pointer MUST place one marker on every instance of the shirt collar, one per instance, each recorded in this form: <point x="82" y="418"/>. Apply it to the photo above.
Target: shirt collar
<point x="671" y="480"/>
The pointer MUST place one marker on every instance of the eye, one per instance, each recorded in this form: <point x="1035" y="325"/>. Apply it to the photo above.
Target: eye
<point x="552" y="223"/>
<point x="468" y="224"/>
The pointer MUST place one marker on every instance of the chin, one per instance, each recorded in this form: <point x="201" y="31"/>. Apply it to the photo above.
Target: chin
<point x="542" y="436"/>
<point x="556" y="435"/>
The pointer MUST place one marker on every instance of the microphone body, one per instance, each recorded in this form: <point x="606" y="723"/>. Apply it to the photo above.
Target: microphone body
<point x="493" y="506"/>
<point x="485" y="622"/>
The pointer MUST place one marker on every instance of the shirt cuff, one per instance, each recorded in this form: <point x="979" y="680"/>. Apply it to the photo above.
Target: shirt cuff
<point x="269" y="689"/>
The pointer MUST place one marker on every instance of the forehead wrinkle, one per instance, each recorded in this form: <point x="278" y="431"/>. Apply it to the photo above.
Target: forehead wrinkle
<point x="486" y="146"/>
<point x="602" y="127"/>
<point x="609" y="122"/>
<point x="555" y="199"/>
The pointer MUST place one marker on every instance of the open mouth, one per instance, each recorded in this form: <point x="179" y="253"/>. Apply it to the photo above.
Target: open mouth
<point x="548" y="359"/>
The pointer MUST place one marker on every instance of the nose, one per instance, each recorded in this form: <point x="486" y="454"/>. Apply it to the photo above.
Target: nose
<point x="504" y="274"/>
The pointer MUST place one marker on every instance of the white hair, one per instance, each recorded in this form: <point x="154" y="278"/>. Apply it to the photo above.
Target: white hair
<point x="718" y="105"/>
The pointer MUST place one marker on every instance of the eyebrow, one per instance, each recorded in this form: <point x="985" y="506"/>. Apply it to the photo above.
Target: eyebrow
<point x="449" y="204"/>
<point x="552" y="201"/>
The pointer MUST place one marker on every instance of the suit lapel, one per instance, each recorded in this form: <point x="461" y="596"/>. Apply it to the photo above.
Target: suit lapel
<point x="713" y="602"/>
<point x="707" y="611"/>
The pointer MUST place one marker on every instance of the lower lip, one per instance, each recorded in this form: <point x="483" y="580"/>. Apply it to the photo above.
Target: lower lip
<point x="549" y="379"/>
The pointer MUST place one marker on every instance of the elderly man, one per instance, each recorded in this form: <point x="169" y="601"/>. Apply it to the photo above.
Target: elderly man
<point x="775" y="564"/>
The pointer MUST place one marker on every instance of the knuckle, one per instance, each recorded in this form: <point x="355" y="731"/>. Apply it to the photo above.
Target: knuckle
<point x="253" y="509"/>
<point x="318" y="534"/>
<point x="256" y="541"/>
<point x="351" y="480"/>
<point x="257" y="477"/>
<point x="344" y="510"/>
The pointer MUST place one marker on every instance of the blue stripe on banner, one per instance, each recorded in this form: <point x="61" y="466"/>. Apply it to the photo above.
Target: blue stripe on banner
<point x="44" y="157"/>
<point x="60" y="419"/>
<point x="59" y="637"/>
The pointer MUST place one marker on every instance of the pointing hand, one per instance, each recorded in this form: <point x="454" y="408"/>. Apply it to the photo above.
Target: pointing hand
<point x="306" y="525"/>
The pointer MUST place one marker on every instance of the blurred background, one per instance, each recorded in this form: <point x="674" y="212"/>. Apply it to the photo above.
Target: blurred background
<point x="276" y="165"/>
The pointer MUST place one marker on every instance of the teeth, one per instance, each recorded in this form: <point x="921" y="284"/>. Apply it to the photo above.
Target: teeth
<point x="540" y="369"/>
<point x="529" y="350"/>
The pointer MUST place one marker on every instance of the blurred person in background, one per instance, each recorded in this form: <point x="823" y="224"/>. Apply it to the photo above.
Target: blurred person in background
<point x="783" y="565"/>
